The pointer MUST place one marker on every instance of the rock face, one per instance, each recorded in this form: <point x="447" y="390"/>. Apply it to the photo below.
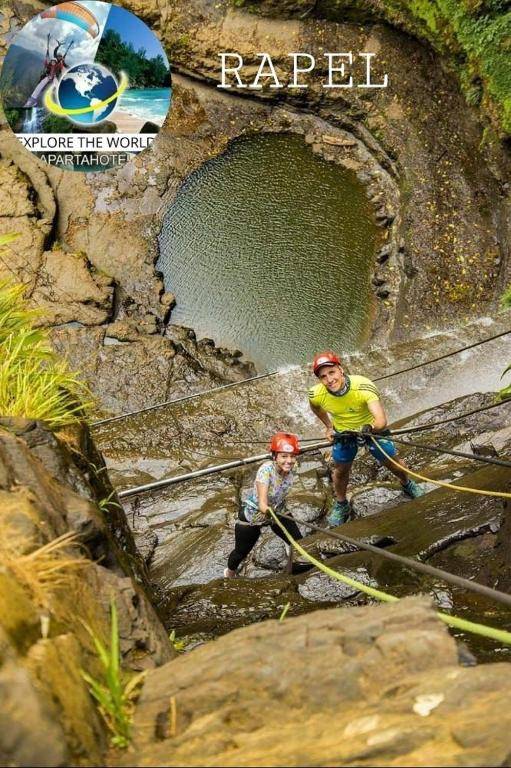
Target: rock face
<point x="365" y="686"/>
<point x="86" y="248"/>
<point x="51" y="486"/>
<point x="470" y="35"/>
<point x="437" y="249"/>
<point x="192" y="523"/>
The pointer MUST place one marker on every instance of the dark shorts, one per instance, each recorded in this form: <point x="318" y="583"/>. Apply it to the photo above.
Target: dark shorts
<point x="345" y="449"/>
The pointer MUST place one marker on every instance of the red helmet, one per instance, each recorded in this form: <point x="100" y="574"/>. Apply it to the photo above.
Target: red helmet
<point x="324" y="358"/>
<point x="284" y="442"/>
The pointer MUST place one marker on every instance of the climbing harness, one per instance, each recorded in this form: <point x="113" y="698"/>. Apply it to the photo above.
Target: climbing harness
<point x="363" y="438"/>
<point x="500" y="635"/>
<point x="112" y="419"/>
<point x="452" y="621"/>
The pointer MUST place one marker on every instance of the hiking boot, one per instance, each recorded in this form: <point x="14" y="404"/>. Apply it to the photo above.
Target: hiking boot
<point x="228" y="574"/>
<point x="413" y="489"/>
<point x="339" y="513"/>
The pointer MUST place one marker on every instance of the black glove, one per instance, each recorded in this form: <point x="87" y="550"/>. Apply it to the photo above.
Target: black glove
<point x="367" y="429"/>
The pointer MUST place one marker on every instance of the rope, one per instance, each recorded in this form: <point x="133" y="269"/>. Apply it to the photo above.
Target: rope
<point x="441" y="422"/>
<point x="416" y="565"/>
<point x="166" y="481"/>
<point x="111" y="419"/>
<point x="443" y="357"/>
<point x="500" y="635"/>
<point x="184" y="399"/>
<point x="451" y="486"/>
<point x="461" y="454"/>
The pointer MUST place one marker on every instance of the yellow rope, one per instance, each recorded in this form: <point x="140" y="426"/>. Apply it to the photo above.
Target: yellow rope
<point x="466" y="489"/>
<point x="501" y="635"/>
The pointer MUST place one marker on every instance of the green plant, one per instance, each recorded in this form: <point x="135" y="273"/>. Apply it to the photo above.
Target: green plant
<point x="284" y="611"/>
<point x="505" y="299"/>
<point x="104" y="504"/>
<point x="114" y="694"/>
<point x="505" y="392"/>
<point x="33" y="382"/>
<point x="178" y="645"/>
<point x="56" y="124"/>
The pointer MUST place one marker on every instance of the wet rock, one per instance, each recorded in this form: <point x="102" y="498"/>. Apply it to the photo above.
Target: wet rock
<point x="384" y="254"/>
<point x="319" y="587"/>
<point x="222" y="605"/>
<point x="146" y="540"/>
<point x="149" y="127"/>
<point x="371" y="501"/>
<point x="269" y="553"/>
<point x="28" y="733"/>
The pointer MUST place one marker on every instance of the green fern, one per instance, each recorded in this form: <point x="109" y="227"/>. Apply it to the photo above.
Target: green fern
<point x="178" y="645"/>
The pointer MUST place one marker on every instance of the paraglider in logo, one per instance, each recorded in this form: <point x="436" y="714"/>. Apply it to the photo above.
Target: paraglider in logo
<point x="86" y="85"/>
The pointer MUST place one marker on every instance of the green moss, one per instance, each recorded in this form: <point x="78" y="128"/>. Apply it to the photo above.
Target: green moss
<point x="427" y="12"/>
<point x="473" y="35"/>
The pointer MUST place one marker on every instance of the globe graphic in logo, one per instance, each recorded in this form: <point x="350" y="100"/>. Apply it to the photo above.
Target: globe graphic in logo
<point x="85" y="85"/>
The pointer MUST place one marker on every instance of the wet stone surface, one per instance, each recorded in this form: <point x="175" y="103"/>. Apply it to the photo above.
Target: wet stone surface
<point x="194" y="522"/>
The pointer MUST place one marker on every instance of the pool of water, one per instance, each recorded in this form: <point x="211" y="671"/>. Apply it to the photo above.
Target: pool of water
<point x="269" y="248"/>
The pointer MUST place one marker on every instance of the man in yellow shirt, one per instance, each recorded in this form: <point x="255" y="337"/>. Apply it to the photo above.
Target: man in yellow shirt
<point x="351" y="403"/>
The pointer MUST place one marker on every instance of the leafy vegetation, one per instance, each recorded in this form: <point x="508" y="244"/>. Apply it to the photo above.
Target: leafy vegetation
<point x="505" y="392"/>
<point x="178" y="645"/>
<point x="505" y="299"/>
<point x="119" y="56"/>
<point x="106" y="503"/>
<point x="115" y="693"/>
<point x="33" y="382"/>
<point x="56" y="124"/>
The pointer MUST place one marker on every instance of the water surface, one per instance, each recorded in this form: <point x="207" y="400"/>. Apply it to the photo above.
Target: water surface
<point x="269" y="249"/>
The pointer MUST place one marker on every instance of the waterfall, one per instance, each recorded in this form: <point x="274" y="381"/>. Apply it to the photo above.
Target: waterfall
<point x="32" y="121"/>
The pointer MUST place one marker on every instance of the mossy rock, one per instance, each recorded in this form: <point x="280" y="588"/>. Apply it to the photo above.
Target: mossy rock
<point x="474" y="36"/>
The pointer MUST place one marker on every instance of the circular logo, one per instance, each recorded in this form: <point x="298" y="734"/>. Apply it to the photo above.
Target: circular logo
<point x="87" y="93"/>
<point x="86" y="85"/>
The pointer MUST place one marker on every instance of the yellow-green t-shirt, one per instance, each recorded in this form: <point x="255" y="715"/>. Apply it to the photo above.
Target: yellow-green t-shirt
<point x="347" y="411"/>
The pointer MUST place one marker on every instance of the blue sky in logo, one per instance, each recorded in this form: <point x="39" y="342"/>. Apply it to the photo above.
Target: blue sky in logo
<point x="134" y="31"/>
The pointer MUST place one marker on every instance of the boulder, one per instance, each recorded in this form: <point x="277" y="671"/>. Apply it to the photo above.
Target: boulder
<point x="378" y="685"/>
